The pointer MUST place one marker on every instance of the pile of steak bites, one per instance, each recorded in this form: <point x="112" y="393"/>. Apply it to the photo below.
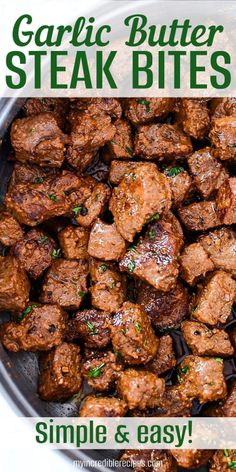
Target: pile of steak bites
<point x="100" y="273"/>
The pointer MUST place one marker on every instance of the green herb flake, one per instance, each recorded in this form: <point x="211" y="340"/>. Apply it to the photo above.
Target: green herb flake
<point x="112" y="141"/>
<point x="38" y="180"/>
<point x="131" y="266"/>
<point x="226" y="453"/>
<point x="92" y="329"/>
<point x="132" y="248"/>
<point x="43" y="239"/>
<point x="103" y="267"/>
<point x="129" y="150"/>
<point x="138" y="327"/>
<point x="56" y="253"/>
<point x="77" y="210"/>
<point x="232" y="465"/>
<point x="154" y="217"/>
<point x="52" y="197"/>
<point x="26" y="312"/>
<point x="219" y="359"/>
<point x="119" y="356"/>
<point x="113" y="285"/>
<point x="81" y="294"/>
<point x="151" y="234"/>
<point x="182" y="371"/>
<point x="146" y="103"/>
<point x="233" y="145"/>
<point x="173" y="171"/>
<point x="193" y="309"/>
<point x="123" y="332"/>
<point x="96" y="371"/>
<point x="32" y="130"/>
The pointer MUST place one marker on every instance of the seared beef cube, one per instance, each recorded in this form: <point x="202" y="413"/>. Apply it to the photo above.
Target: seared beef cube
<point x="208" y="173"/>
<point x="100" y="407"/>
<point x="220" y="245"/>
<point x="140" y="196"/>
<point x="193" y="115"/>
<point x="10" y="230"/>
<point x="202" y="378"/>
<point x="78" y="159"/>
<point x="41" y="328"/>
<point x="189" y="458"/>
<point x="180" y="184"/>
<point x="121" y="145"/>
<point x="229" y="407"/>
<point x="166" y="310"/>
<point x="199" y="216"/>
<point x="154" y="258"/>
<point x="165" y="357"/>
<point x="206" y="342"/>
<point x="110" y="106"/>
<point x="223" y="137"/>
<point x="92" y="326"/>
<point x="162" y="142"/>
<point x="118" y="169"/>
<point x="33" y="203"/>
<point x="194" y="262"/>
<point x="223" y="107"/>
<point x="102" y="371"/>
<point x="146" y="460"/>
<point x="144" y="110"/>
<point x="174" y="403"/>
<point x="35" y="252"/>
<point x="93" y="205"/>
<point x="24" y="173"/>
<point x="38" y="140"/>
<point x="65" y="283"/>
<point x="226" y="202"/>
<point x="223" y="460"/>
<point x="57" y="106"/>
<point x="214" y="301"/>
<point x="105" y="242"/>
<point x="60" y="376"/>
<point x="14" y="285"/>
<point x="74" y="242"/>
<point x="107" y="286"/>
<point x="140" y="389"/>
<point x="132" y="335"/>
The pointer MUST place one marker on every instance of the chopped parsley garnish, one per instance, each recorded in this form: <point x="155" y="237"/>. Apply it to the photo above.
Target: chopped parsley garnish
<point x="43" y="239"/>
<point x="138" y="327"/>
<point x="103" y="267"/>
<point x="232" y="465"/>
<point x="81" y="294"/>
<point x="112" y="141"/>
<point x="173" y="171"/>
<point x="219" y="359"/>
<point x="151" y="234"/>
<point x="32" y="130"/>
<point x="113" y="285"/>
<point x="123" y="332"/>
<point x="226" y="452"/>
<point x="38" y="180"/>
<point x="26" y="312"/>
<point x="154" y="217"/>
<point x="96" y="371"/>
<point x="183" y="370"/>
<point x="233" y="145"/>
<point x="56" y="253"/>
<point x="132" y="248"/>
<point x="92" y="329"/>
<point x="119" y="356"/>
<point x="146" y="103"/>
<point x="77" y="210"/>
<point x="52" y="197"/>
<point x="129" y="150"/>
<point x="131" y="266"/>
<point x="193" y="309"/>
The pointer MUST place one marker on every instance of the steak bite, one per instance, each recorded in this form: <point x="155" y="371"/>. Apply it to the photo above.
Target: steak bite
<point x="24" y="173"/>
<point x="214" y="301"/>
<point x="132" y="335"/>
<point x="145" y="460"/>
<point x="107" y="286"/>
<point x="220" y="245"/>
<point x="74" y="242"/>
<point x="14" y="285"/>
<point x="194" y="262"/>
<point x="226" y="202"/>
<point x="140" y="389"/>
<point x="118" y="169"/>
<point x="180" y="184"/>
<point x="193" y="115"/>
<point x="174" y="403"/>
<point x="41" y="328"/>
<point x="65" y="283"/>
<point x="199" y="216"/>
<point x="223" y="461"/>
<point x="103" y="407"/>
<point x="10" y="230"/>
<point x="144" y="110"/>
<point x="111" y="106"/>
<point x="39" y="140"/>
<point x="60" y="376"/>
<point x="208" y="173"/>
<point x="229" y="406"/>
<point x="165" y="357"/>
<point x="166" y="310"/>
<point x="223" y="137"/>
<point x="92" y="326"/>
<point x="154" y="258"/>
<point x="58" y="107"/>
<point x="162" y="142"/>
<point x="105" y="242"/>
<point x="94" y="204"/>
<point x="189" y="458"/>
<point x="140" y="195"/>
<point x="35" y="252"/>
<point x="102" y="371"/>
<point x="206" y="342"/>
<point x="202" y="378"/>
<point x="121" y="145"/>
